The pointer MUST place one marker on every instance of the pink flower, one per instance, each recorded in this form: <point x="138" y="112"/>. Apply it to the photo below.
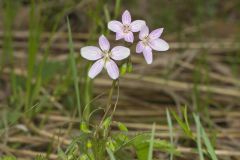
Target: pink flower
<point x="104" y="57"/>
<point x="126" y="28"/>
<point x="150" y="42"/>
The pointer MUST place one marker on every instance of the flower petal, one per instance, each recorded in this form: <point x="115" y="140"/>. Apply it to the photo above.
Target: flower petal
<point x="112" y="69"/>
<point x="115" y="26"/>
<point x="96" y="68"/>
<point x="126" y="17"/>
<point x="119" y="35"/>
<point x="147" y="53"/>
<point x="128" y="37"/>
<point x="137" y="25"/>
<point x="120" y="52"/>
<point x="104" y="43"/>
<point x="159" y="45"/>
<point x="139" y="47"/>
<point x="144" y="32"/>
<point x="156" y="33"/>
<point x="91" y="53"/>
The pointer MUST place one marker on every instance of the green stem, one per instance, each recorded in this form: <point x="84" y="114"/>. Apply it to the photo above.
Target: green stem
<point x="111" y="94"/>
<point x="109" y="101"/>
<point x="115" y="105"/>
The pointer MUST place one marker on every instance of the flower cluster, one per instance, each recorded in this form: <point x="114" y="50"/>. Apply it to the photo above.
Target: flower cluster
<point x="105" y="57"/>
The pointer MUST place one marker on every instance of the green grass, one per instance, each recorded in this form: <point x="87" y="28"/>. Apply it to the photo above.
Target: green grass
<point x="169" y="120"/>
<point x="199" y="137"/>
<point x="151" y="143"/>
<point x="74" y="69"/>
<point x="33" y="46"/>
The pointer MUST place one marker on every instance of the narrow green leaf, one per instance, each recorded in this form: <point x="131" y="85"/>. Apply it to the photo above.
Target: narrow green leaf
<point x="107" y="122"/>
<point x="186" y="117"/>
<point x="61" y="154"/>
<point x="150" y="152"/>
<point x="117" y="8"/>
<point x="122" y="127"/>
<point x="111" y="155"/>
<point x="208" y="144"/>
<point x="84" y="127"/>
<point x="106" y="13"/>
<point x="199" y="143"/>
<point x="185" y="128"/>
<point x="169" y="120"/>
<point x="74" y="67"/>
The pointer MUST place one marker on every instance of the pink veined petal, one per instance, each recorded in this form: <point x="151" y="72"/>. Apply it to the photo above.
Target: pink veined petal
<point x="126" y="17"/>
<point x="104" y="43"/>
<point x="156" y="33"/>
<point x="137" y="25"/>
<point x="112" y="69"/>
<point x="115" y="26"/>
<point x="119" y="35"/>
<point x="159" y="45"/>
<point x="147" y="53"/>
<point x="144" y="32"/>
<point x="119" y="53"/>
<point x="96" y="68"/>
<point x="139" y="47"/>
<point x="91" y="53"/>
<point x="128" y="37"/>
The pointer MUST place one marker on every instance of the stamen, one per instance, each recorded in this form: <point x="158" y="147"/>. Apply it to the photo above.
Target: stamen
<point x="126" y="28"/>
<point x="106" y="55"/>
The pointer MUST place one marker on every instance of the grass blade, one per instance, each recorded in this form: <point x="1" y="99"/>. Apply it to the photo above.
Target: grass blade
<point x="151" y="143"/>
<point x="208" y="144"/>
<point x="169" y="120"/>
<point x="74" y="68"/>
<point x="33" y="45"/>
<point x="117" y="8"/>
<point x="199" y="143"/>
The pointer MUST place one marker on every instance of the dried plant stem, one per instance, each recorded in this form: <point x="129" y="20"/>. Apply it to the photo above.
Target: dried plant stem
<point x="26" y="153"/>
<point x="44" y="133"/>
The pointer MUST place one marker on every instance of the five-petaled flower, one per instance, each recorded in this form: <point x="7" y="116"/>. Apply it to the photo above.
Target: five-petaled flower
<point x="126" y="28"/>
<point x="150" y="42"/>
<point x="104" y="57"/>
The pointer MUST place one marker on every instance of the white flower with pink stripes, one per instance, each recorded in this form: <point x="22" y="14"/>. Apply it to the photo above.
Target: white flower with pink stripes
<point x="150" y="42"/>
<point x="124" y="30"/>
<point x="104" y="57"/>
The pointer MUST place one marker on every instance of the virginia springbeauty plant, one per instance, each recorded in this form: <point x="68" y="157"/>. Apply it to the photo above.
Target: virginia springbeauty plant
<point x="97" y="142"/>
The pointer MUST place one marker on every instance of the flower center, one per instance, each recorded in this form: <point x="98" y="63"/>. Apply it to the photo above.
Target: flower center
<point x="106" y="55"/>
<point x="126" y="28"/>
<point x="146" y="41"/>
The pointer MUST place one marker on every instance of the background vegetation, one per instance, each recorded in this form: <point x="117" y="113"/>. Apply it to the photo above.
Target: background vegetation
<point x="44" y="83"/>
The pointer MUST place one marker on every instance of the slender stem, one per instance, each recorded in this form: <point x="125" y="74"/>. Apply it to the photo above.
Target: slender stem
<point x="109" y="101"/>
<point x="115" y="105"/>
<point x="111" y="94"/>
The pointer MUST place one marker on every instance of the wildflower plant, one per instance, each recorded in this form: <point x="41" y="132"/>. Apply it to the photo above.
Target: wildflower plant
<point x="96" y="141"/>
